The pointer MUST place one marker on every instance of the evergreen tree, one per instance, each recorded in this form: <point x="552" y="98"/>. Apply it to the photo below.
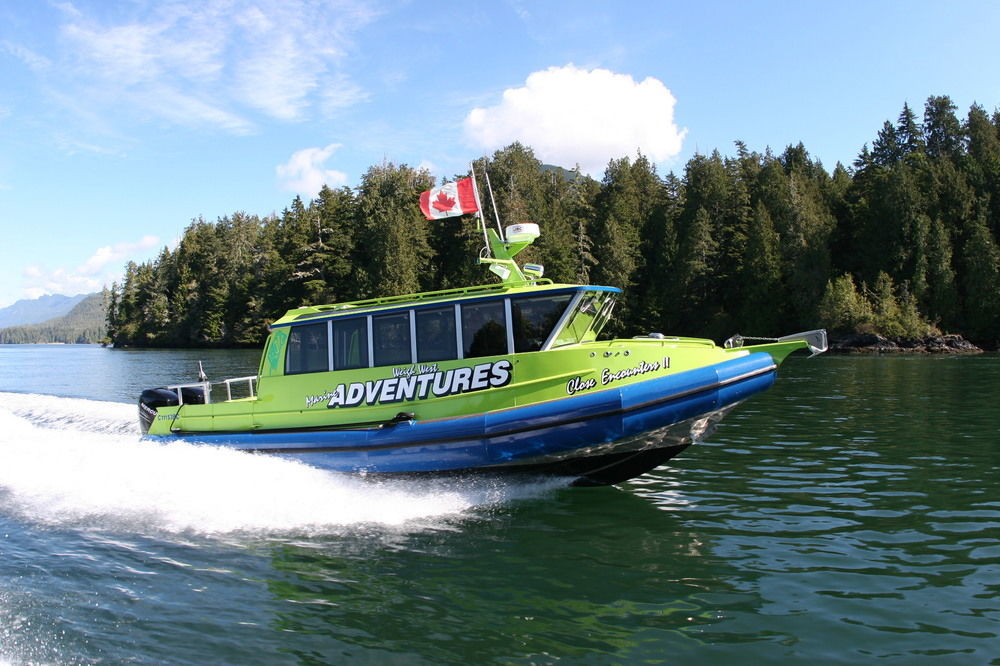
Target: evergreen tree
<point x="982" y="164"/>
<point x="712" y="223"/>
<point x="886" y="150"/>
<point x="201" y="293"/>
<point x="839" y="195"/>
<point x="395" y="255"/>
<point x="241" y="267"/>
<point x="557" y="247"/>
<point x="627" y="212"/>
<point x="793" y="190"/>
<point x="761" y="276"/>
<point x="909" y="133"/>
<point x="942" y="131"/>
<point x="581" y="212"/>
<point x="982" y="283"/>
<point x="327" y="261"/>
<point x="941" y="299"/>
<point x="693" y="292"/>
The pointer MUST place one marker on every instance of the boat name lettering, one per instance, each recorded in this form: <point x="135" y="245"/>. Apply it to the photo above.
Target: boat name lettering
<point x="578" y="384"/>
<point x="316" y="399"/>
<point x="406" y="386"/>
<point x="610" y="376"/>
<point x="410" y="370"/>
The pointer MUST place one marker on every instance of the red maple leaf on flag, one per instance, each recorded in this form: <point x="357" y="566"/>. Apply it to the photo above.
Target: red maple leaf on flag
<point x="443" y="202"/>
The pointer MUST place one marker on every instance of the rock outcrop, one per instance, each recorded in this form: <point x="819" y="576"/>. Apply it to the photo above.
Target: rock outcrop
<point x="870" y="343"/>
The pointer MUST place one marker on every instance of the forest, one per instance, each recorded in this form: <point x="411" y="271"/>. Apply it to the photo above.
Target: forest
<point x="903" y="242"/>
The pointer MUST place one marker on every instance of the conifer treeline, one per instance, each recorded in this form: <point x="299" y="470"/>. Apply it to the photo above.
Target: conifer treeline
<point x="905" y="242"/>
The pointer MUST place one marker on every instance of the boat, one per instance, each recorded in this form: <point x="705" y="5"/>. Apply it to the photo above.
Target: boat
<point x="507" y="378"/>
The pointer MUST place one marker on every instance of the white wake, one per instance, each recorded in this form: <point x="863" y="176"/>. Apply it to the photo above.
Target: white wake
<point x="80" y="463"/>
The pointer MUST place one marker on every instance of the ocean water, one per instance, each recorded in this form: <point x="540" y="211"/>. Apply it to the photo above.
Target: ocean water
<point x="849" y="515"/>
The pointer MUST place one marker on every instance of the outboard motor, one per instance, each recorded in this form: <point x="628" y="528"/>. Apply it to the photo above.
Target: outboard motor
<point x="150" y="399"/>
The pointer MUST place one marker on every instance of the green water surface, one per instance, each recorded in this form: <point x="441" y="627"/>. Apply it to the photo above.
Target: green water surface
<point x="849" y="515"/>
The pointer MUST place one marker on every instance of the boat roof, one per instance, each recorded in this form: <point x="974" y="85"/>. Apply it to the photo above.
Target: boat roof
<point x="426" y="299"/>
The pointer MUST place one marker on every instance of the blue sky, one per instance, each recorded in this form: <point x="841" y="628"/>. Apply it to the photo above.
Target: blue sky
<point x="120" y="122"/>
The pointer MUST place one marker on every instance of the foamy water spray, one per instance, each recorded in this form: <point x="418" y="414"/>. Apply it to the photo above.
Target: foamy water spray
<point x="74" y="414"/>
<point x="95" y="476"/>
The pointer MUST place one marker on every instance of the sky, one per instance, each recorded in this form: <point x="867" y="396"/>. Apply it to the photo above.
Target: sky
<point x="122" y="121"/>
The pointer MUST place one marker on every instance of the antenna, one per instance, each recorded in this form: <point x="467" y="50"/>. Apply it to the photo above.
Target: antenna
<point x="481" y="221"/>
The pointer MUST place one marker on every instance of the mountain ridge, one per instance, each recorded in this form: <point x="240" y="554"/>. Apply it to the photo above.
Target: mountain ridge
<point x="83" y="324"/>
<point x="38" y="310"/>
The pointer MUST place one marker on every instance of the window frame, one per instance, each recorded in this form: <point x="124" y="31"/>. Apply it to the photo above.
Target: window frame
<point x="410" y="347"/>
<point x="509" y="334"/>
<point x="455" y="327"/>
<point x="297" y="331"/>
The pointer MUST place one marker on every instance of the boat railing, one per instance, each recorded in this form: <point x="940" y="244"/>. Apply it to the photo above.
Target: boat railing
<point x="206" y="387"/>
<point x="250" y="385"/>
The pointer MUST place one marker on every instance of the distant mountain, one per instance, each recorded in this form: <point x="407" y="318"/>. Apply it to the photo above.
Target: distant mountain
<point x="567" y="175"/>
<point x="38" y="310"/>
<point x="84" y="323"/>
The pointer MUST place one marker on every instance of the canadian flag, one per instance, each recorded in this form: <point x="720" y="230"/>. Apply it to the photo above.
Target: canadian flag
<point x="449" y="200"/>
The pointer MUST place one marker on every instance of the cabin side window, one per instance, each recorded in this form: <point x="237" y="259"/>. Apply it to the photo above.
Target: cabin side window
<point x="534" y="317"/>
<point x="436" y="335"/>
<point x="391" y="339"/>
<point x="484" y="329"/>
<point x="350" y="344"/>
<point x="307" y="349"/>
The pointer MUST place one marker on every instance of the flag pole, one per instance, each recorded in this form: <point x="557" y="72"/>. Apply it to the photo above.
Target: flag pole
<point x="495" y="212"/>
<point x="479" y="206"/>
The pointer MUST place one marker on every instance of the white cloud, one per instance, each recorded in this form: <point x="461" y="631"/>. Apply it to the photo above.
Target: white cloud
<point x="184" y="109"/>
<point x="215" y="63"/>
<point x="101" y="268"/>
<point x="27" y="56"/>
<point x="115" y="253"/>
<point x="72" y="146"/>
<point x="40" y="282"/>
<point x="570" y="116"/>
<point x="340" y="93"/>
<point x="304" y="174"/>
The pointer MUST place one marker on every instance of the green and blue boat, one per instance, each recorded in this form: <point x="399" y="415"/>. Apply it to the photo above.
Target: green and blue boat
<point x="504" y="378"/>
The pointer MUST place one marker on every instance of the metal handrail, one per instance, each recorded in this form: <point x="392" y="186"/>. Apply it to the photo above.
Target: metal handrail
<point x="249" y="380"/>
<point x="207" y="388"/>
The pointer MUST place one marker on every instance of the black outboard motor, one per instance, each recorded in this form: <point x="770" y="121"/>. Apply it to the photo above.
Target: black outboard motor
<point x="150" y="399"/>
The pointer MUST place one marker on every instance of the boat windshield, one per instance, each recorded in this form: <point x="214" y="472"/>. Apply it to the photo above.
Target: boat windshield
<point x="584" y="324"/>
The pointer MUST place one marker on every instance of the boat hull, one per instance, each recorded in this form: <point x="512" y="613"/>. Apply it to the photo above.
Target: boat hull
<point x="598" y="438"/>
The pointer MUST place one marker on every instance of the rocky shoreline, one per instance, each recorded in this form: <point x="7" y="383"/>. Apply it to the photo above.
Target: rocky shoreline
<point x="870" y="343"/>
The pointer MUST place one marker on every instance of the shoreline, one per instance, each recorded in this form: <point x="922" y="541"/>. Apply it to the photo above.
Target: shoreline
<point x="871" y="343"/>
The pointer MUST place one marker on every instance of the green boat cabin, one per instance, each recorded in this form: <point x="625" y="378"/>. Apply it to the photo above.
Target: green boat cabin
<point x="442" y="326"/>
